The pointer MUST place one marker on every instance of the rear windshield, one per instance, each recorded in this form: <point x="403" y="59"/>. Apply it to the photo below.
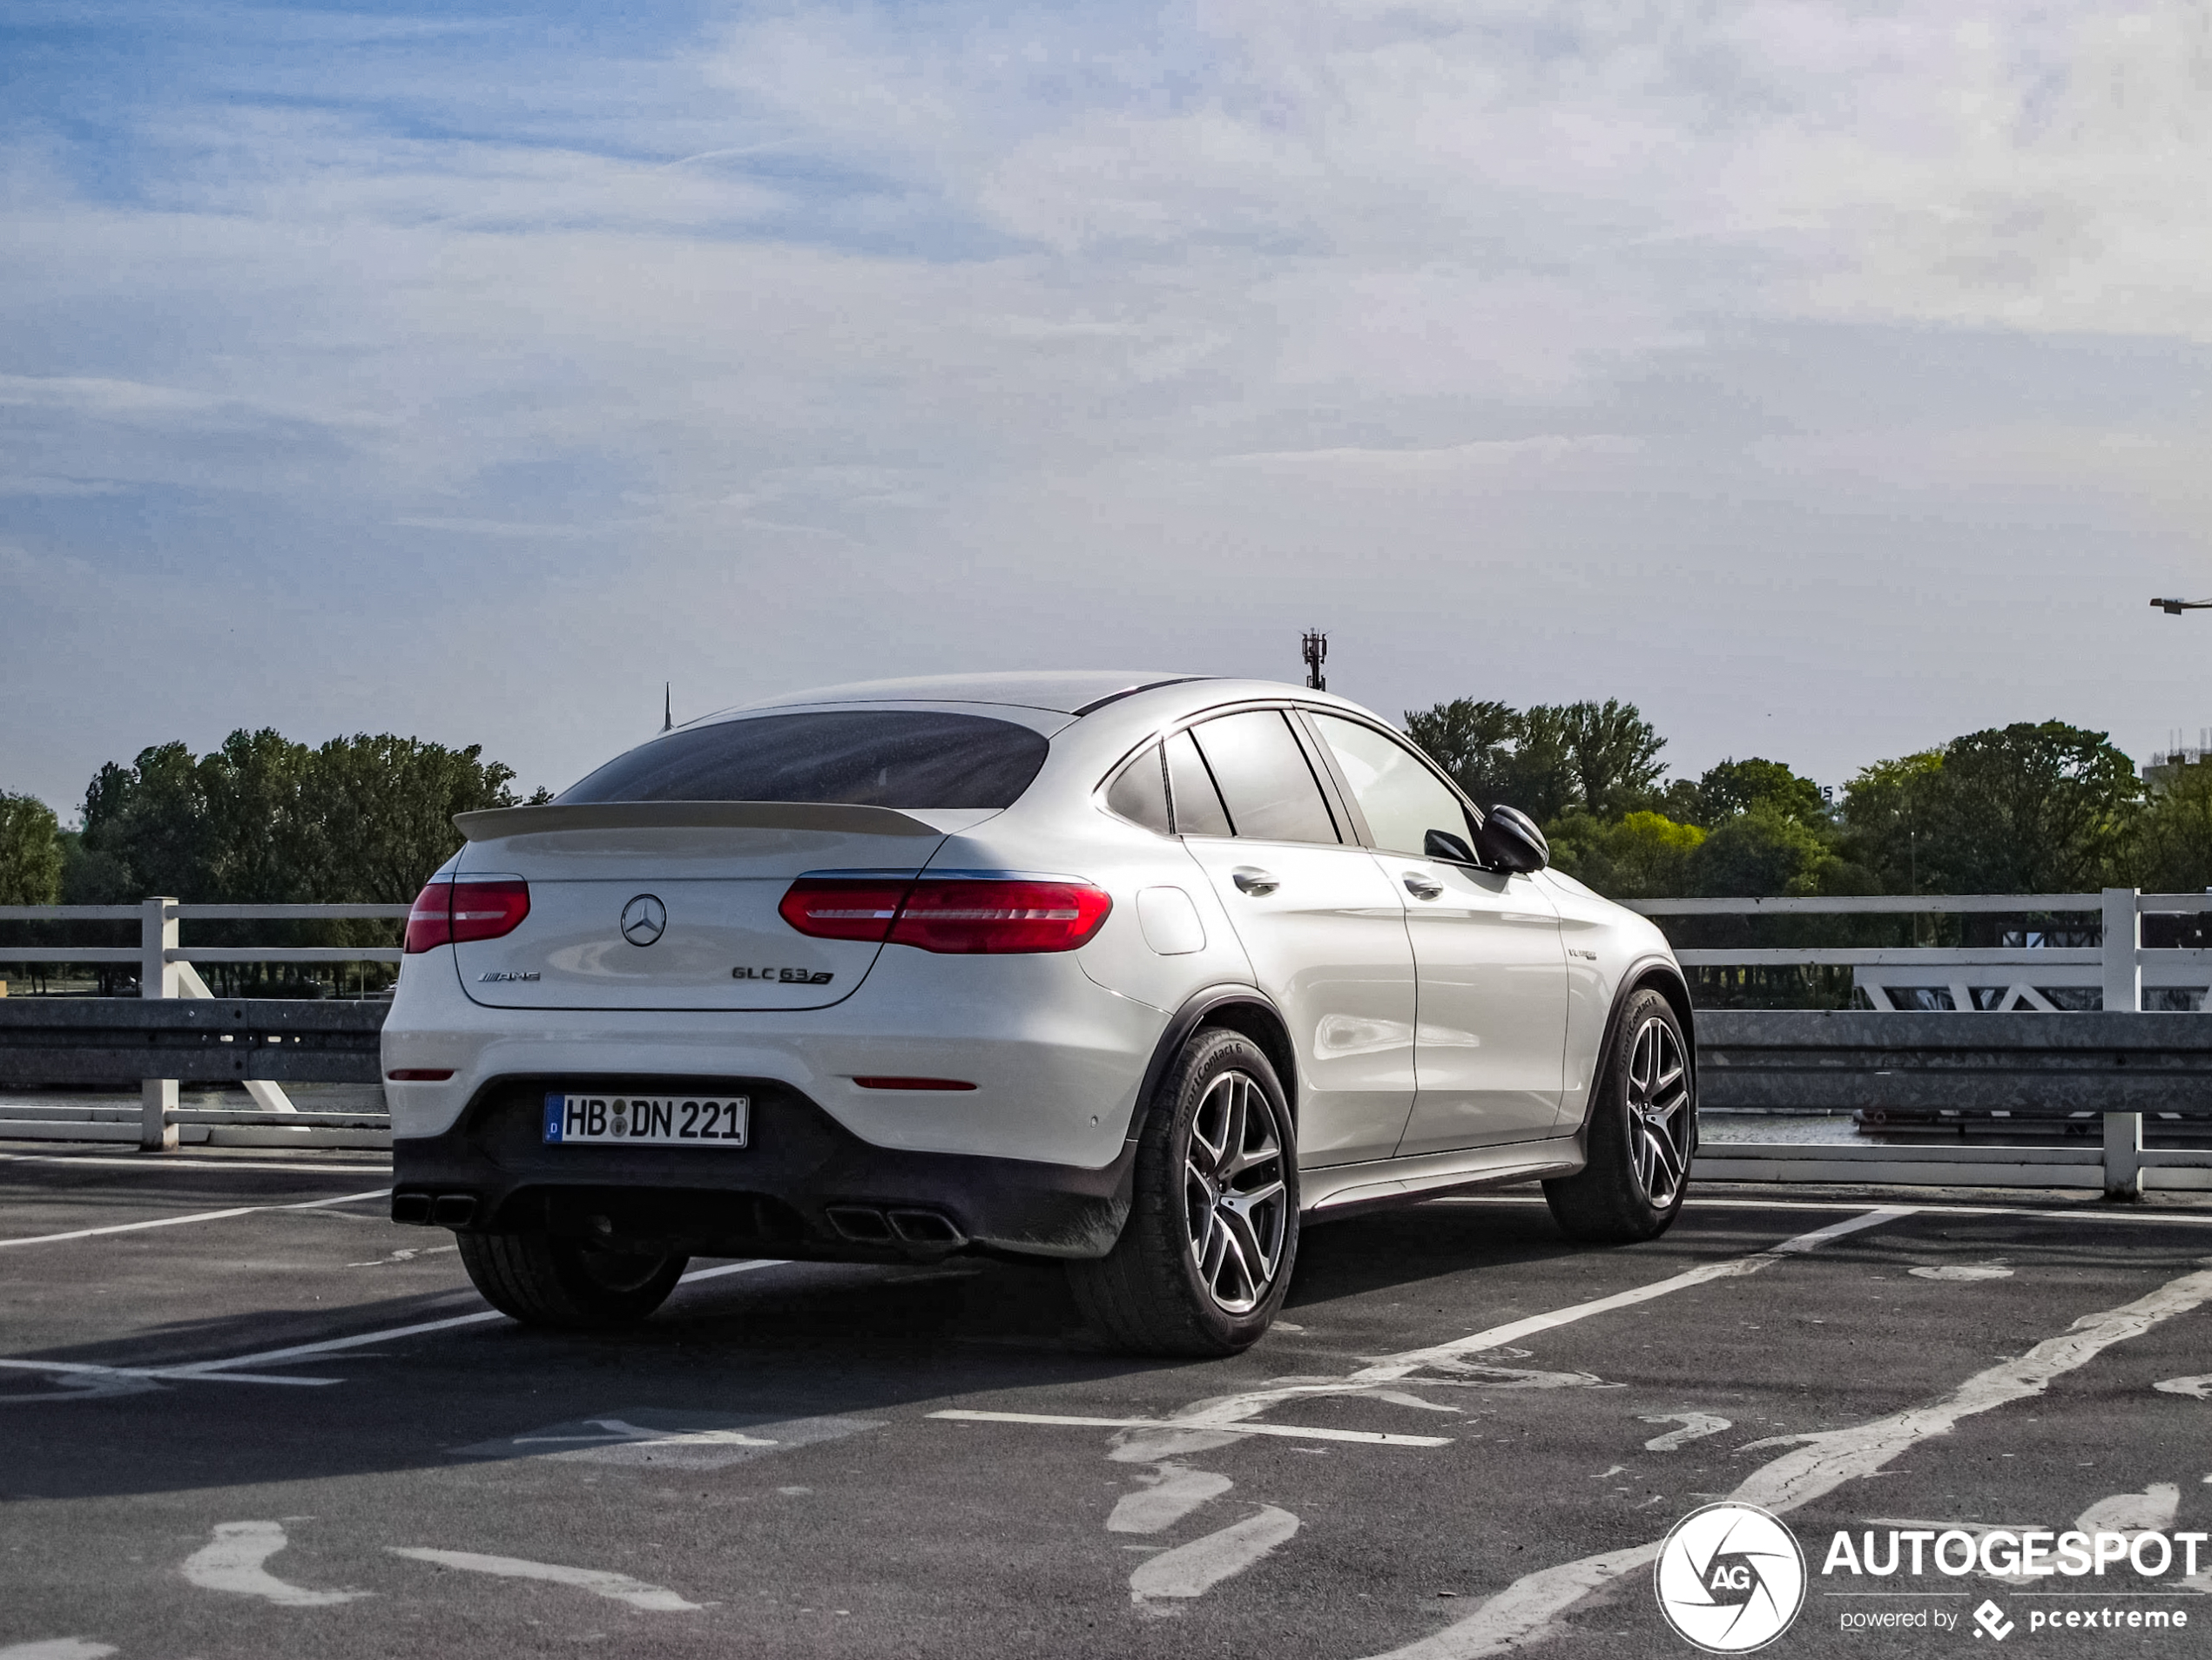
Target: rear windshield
<point x="877" y="758"/>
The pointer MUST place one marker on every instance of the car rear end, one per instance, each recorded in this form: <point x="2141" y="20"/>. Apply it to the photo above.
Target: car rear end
<point x="723" y="998"/>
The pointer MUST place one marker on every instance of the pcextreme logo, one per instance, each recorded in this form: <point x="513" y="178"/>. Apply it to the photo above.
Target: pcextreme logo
<point x="1730" y="1578"/>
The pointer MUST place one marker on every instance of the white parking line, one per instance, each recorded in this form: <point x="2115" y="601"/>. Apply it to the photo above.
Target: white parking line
<point x="1294" y="1431"/>
<point x="224" y="1371"/>
<point x="653" y="1599"/>
<point x="170" y="1162"/>
<point x="197" y="1216"/>
<point x="232" y="1562"/>
<point x="1525" y="1612"/>
<point x="1195" y="1569"/>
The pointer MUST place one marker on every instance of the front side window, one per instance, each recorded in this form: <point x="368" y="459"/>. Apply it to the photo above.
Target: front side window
<point x="1265" y="781"/>
<point x="882" y="758"/>
<point x="1401" y="798"/>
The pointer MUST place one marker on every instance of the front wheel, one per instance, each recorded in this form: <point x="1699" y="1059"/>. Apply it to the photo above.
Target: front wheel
<point x="1205" y="1256"/>
<point x="1642" y="1129"/>
<point x="542" y="1280"/>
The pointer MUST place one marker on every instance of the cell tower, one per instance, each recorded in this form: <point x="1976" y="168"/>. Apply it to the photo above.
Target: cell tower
<point x="1315" y="647"/>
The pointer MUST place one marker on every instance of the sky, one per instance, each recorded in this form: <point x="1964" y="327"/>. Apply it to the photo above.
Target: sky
<point x="1827" y="379"/>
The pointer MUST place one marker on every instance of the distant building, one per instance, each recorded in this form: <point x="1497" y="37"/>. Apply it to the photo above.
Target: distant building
<point x="2165" y="766"/>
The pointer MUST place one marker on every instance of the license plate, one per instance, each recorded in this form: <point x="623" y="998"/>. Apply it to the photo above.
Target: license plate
<point x="648" y="1120"/>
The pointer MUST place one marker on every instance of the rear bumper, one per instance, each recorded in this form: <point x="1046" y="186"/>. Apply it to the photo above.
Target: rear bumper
<point x="804" y="1187"/>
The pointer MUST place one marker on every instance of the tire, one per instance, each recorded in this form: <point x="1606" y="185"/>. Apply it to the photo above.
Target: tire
<point x="541" y="1280"/>
<point x="1642" y="1129"/>
<point x="1202" y="1263"/>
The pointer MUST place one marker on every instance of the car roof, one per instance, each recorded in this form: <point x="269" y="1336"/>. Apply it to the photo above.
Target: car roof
<point x="1069" y="692"/>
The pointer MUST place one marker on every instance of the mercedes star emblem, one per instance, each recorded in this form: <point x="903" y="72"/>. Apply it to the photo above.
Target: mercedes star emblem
<point x="644" y="919"/>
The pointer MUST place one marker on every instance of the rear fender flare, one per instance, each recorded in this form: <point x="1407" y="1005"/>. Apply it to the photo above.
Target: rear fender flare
<point x="1234" y="1008"/>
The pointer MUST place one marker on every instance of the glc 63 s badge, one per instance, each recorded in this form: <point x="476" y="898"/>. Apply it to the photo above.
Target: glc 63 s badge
<point x="786" y="976"/>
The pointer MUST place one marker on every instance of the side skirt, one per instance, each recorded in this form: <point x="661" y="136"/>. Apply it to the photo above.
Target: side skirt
<point x="1347" y="1189"/>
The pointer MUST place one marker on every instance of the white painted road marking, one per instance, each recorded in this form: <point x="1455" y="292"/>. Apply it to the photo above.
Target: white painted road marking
<point x="1172" y="1493"/>
<point x="1963" y="1271"/>
<point x="233" y="1563"/>
<point x="1696" y="1426"/>
<point x="170" y="1162"/>
<point x="197" y="1216"/>
<point x="661" y="1438"/>
<point x="57" y="1649"/>
<point x="2199" y="1387"/>
<point x="620" y="1587"/>
<point x="224" y="1371"/>
<point x="1192" y="1569"/>
<point x="1525" y="1612"/>
<point x="1229" y="1427"/>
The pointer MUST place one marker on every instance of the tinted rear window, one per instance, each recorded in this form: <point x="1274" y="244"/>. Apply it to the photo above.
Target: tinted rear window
<point x="878" y="758"/>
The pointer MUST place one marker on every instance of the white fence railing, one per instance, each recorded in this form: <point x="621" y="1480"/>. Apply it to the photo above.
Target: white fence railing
<point x="1995" y="979"/>
<point x="165" y="966"/>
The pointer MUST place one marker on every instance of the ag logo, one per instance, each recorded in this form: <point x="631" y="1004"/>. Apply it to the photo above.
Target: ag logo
<point x="1730" y="1578"/>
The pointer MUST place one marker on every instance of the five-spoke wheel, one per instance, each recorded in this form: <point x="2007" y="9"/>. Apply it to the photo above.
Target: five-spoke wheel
<point x="1640" y="1134"/>
<point x="1659" y="1111"/>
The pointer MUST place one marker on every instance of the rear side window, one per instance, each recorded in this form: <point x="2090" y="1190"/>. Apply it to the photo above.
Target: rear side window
<point x="883" y="758"/>
<point x="1197" y="808"/>
<point x="1139" y="792"/>
<point x="1402" y="799"/>
<point x="1266" y="783"/>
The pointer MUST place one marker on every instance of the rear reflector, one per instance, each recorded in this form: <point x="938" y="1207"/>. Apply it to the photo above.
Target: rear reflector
<point x="421" y="1075"/>
<point x="912" y="1083"/>
<point x="449" y="913"/>
<point x="959" y="915"/>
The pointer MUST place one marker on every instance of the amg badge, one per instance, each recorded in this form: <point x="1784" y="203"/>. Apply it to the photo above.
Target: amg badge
<point x="786" y="976"/>
<point x="498" y="975"/>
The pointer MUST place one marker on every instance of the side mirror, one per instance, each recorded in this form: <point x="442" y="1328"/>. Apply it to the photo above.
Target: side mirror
<point x="1510" y="841"/>
<point x="1442" y="844"/>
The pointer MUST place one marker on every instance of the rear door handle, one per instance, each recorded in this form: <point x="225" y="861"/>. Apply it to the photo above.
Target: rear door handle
<point x="1251" y="879"/>
<point x="1422" y="887"/>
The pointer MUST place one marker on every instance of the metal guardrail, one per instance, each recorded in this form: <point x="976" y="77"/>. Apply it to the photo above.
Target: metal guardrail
<point x="2120" y="969"/>
<point x="281" y="1042"/>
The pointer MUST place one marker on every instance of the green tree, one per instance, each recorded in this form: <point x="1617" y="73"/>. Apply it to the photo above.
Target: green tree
<point x="381" y="810"/>
<point x="1734" y="786"/>
<point x="2038" y="808"/>
<point x="1644" y="856"/>
<point x="1759" y="852"/>
<point x="1473" y="741"/>
<point x="1615" y="755"/>
<point x="30" y="852"/>
<point x="2174" y="854"/>
<point x="1602" y="758"/>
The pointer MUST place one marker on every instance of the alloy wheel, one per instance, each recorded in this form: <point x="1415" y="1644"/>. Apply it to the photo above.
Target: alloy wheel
<point x="1659" y="1115"/>
<point x="1235" y="1194"/>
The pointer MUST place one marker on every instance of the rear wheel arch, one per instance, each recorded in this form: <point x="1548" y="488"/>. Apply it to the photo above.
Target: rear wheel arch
<point x="1243" y="1009"/>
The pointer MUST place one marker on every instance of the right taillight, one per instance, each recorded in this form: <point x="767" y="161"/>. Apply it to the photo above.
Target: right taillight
<point x="450" y="913"/>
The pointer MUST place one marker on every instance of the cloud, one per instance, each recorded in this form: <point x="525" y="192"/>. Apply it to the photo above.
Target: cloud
<point x="867" y="339"/>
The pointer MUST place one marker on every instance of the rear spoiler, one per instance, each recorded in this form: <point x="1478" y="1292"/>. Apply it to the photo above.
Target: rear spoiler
<point x="496" y="823"/>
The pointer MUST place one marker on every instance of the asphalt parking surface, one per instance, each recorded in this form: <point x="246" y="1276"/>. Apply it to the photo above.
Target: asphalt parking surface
<point x="1443" y="1444"/>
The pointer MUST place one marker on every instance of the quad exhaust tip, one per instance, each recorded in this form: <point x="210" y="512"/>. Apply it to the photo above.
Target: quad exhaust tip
<point x="916" y="1229"/>
<point x="435" y="1209"/>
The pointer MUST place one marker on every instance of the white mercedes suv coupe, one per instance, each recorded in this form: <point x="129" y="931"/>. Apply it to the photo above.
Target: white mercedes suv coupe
<point x="1136" y="972"/>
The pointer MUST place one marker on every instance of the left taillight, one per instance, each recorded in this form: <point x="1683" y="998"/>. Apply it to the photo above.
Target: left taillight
<point x="450" y="913"/>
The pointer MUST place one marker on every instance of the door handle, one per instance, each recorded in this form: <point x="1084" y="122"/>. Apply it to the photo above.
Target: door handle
<point x="1422" y="887"/>
<point x="1251" y="879"/>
